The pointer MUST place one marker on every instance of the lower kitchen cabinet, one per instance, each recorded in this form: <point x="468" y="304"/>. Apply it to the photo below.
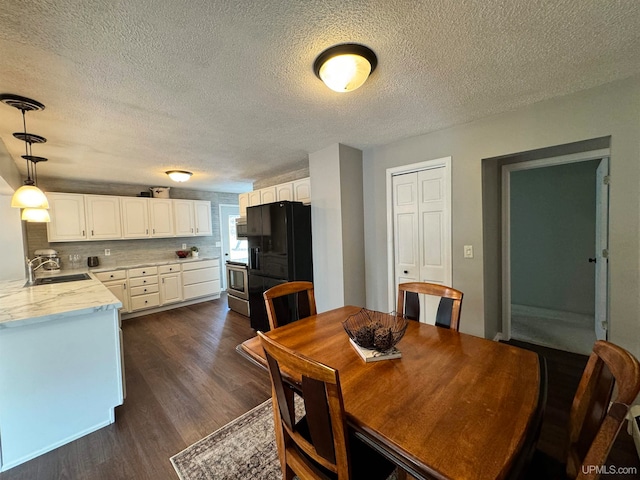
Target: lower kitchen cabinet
<point x="200" y="279"/>
<point x="156" y="286"/>
<point x="117" y="282"/>
<point x="143" y="288"/>
<point x="170" y="284"/>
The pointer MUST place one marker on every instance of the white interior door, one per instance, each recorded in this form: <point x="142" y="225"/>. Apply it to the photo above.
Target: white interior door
<point x="422" y="237"/>
<point x="602" y="245"/>
<point x="405" y="219"/>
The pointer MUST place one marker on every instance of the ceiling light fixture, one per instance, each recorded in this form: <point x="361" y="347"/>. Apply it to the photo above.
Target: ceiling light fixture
<point x="40" y="215"/>
<point x="179" y="175"/>
<point x="345" y="67"/>
<point x="29" y="195"/>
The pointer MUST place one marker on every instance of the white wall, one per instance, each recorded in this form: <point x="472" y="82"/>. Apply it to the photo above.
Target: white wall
<point x="337" y="226"/>
<point x="610" y="110"/>
<point x="13" y="261"/>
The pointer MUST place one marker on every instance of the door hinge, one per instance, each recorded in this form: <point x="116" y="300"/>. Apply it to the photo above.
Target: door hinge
<point x="606" y="179"/>
<point x="605" y="325"/>
<point x="605" y="253"/>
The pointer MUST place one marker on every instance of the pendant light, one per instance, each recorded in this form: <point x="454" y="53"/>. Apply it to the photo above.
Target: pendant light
<point x="29" y="195"/>
<point x="345" y="67"/>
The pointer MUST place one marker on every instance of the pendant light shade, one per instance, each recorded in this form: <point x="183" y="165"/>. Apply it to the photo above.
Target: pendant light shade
<point x="344" y="68"/>
<point x="29" y="196"/>
<point x="179" y="175"/>
<point x="36" y="215"/>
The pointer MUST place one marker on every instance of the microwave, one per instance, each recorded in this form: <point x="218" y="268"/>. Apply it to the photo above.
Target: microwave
<point x="241" y="227"/>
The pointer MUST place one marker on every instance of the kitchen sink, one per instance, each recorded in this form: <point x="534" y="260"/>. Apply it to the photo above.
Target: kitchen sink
<point x="62" y="278"/>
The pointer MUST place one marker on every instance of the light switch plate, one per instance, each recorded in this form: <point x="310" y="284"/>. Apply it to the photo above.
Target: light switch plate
<point x="468" y="251"/>
<point x="107" y="252"/>
<point x="184" y="246"/>
<point x="218" y="244"/>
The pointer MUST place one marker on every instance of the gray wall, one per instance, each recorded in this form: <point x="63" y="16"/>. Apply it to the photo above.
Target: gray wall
<point x="128" y="251"/>
<point x="610" y="110"/>
<point x="296" y="174"/>
<point x="552" y="236"/>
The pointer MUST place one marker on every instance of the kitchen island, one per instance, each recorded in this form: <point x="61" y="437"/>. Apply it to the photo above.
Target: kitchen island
<point x="61" y="369"/>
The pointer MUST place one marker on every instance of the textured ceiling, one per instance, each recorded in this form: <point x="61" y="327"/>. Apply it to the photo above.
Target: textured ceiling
<point x="226" y="89"/>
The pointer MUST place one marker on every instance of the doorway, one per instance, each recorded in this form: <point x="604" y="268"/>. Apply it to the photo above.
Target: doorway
<point x="234" y="249"/>
<point x="419" y="229"/>
<point x="555" y="253"/>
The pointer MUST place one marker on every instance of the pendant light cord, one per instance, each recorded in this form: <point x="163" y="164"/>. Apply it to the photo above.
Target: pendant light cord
<point x="27" y="149"/>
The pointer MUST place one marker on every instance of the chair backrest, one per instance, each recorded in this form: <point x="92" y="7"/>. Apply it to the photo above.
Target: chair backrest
<point x="448" y="315"/>
<point x="322" y="433"/>
<point x="593" y="424"/>
<point x="285" y="304"/>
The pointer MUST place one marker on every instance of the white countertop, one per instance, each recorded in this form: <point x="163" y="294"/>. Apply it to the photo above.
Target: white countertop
<point x="20" y="305"/>
<point x="107" y="266"/>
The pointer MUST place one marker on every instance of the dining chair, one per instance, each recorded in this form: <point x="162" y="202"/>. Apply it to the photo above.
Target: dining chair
<point x="594" y="420"/>
<point x="319" y="444"/>
<point x="285" y="303"/>
<point x="448" y="315"/>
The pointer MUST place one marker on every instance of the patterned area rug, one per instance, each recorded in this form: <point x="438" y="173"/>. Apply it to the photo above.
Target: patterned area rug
<point x="244" y="448"/>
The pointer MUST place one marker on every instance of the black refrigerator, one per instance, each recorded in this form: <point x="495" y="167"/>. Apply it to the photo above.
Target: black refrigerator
<point x="279" y="238"/>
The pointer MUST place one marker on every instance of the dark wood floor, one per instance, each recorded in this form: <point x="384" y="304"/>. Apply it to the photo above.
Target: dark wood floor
<point x="185" y="380"/>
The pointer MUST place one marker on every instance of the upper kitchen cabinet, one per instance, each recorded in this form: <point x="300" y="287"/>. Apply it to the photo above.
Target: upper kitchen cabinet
<point x="254" y="198"/>
<point x="243" y="203"/>
<point x="192" y="217"/>
<point x="103" y="217"/>
<point x="135" y="217"/>
<point x="202" y="209"/>
<point x="302" y="190"/>
<point x="268" y="195"/>
<point x="184" y="218"/>
<point x="161" y="215"/>
<point x="67" y="217"/>
<point x="284" y="192"/>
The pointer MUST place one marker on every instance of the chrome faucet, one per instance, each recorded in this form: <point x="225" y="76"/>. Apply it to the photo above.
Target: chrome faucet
<point x="31" y="269"/>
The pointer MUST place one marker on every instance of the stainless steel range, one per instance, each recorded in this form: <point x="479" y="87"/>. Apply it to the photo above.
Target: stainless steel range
<point x="238" y="287"/>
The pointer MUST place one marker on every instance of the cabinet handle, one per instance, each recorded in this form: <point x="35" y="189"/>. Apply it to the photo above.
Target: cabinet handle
<point x="192" y="230"/>
<point x="145" y="290"/>
<point x="92" y="233"/>
<point x="111" y="276"/>
<point x="146" y="301"/>
<point x="163" y="280"/>
<point x="124" y="286"/>
<point x="146" y="231"/>
<point x="154" y="231"/>
<point x="83" y="233"/>
<point x="144" y="281"/>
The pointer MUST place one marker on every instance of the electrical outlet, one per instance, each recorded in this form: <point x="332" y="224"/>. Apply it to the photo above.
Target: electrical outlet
<point x="184" y="246"/>
<point x="468" y="251"/>
<point x="107" y="252"/>
<point x="218" y="244"/>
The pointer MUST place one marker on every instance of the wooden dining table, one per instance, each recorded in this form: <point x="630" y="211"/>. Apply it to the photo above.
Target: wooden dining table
<point x="454" y="406"/>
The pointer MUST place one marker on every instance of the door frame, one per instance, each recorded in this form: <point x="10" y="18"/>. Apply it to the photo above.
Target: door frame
<point x="506" y="219"/>
<point x="223" y="283"/>
<point x="390" y="173"/>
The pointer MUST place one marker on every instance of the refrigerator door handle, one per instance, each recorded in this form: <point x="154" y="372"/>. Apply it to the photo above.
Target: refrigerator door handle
<point x="254" y="258"/>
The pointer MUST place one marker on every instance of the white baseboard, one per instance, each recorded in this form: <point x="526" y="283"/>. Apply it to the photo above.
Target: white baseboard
<point x="498" y="337"/>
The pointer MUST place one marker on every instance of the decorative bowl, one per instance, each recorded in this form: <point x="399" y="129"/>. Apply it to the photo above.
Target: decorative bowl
<point x="375" y="330"/>
<point x="182" y="253"/>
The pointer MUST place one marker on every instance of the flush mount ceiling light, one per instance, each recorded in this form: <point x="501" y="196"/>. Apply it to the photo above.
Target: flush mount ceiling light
<point x="345" y="67"/>
<point x="29" y="195"/>
<point x="179" y="175"/>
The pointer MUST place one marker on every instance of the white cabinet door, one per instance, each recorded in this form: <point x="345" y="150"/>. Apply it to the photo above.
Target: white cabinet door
<point x="184" y="218"/>
<point x="135" y="217"/>
<point x="120" y="291"/>
<point x="170" y="288"/>
<point x="284" y="192"/>
<point x="254" y="198"/>
<point x="268" y="195"/>
<point x="103" y="217"/>
<point x="67" y="217"/>
<point x="161" y="217"/>
<point x="243" y="203"/>
<point x="202" y="209"/>
<point x="302" y="190"/>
